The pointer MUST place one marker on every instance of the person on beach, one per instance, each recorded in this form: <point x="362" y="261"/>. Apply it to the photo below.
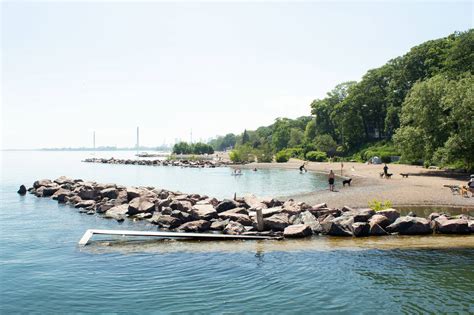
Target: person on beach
<point x="331" y="177"/>
<point x="385" y="170"/>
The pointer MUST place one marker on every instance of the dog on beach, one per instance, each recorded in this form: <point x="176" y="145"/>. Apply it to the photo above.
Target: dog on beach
<point x="346" y="181"/>
<point x="388" y="176"/>
<point x="382" y="174"/>
<point x="405" y="175"/>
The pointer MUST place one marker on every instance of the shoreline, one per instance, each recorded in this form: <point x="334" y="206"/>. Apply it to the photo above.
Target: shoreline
<point x="423" y="187"/>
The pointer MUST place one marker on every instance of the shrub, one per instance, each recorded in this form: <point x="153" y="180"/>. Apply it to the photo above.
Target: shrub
<point x="282" y="156"/>
<point x="317" y="156"/>
<point x="380" y="205"/>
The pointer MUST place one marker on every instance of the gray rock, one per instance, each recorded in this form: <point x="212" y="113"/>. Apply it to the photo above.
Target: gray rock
<point x="376" y="230"/>
<point x="363" y="215"/>
<point x="241" y="218"/>
<point x="111" y="193"/>
<point x="165" y="221"/>
<point x="140" y="204"/>
<point x="219" y="224"/>
<point x="195" y="226"/>
<point x="380" y="220"/>
<point x="63" y="180"/>
<point x="277" y="222"/>
<point x="203" y="212"/>
<point x="132" y="193"/>
<point x="297" y="231"/>
<point x="118" y="212"/>
<point x="85" y="204"/>
<point x="234" y="228"/>
<point x="360" y="229"/>
<point x="335" y="229"/>
<point x="453" y="226"/>
<point x="42" y="182"/>
<point x="50" y="190"/>
<point x="225" y="205"/>
<point x="391" y="214"/>
<point x="410" y="226"/>
<point x="310" y="220"/>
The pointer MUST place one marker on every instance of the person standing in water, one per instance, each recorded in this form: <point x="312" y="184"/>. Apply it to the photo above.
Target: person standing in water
<point x="302" y="168"/>
<point x="331" y="177"/>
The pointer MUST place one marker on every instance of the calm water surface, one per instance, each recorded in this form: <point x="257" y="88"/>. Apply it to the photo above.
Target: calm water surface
<point x="42" y="270"/>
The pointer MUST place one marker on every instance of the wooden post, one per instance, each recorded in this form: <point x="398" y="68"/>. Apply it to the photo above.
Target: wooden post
<point x="235" y="196"/>
<point x="259" y="219"/>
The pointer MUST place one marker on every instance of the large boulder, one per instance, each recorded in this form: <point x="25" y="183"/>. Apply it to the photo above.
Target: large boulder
<point x="219" y="224"/>
<point x="22" y="190"/>
<point x="390" y="214"/>
<point x="376" y="230"/>
<point x="297" y="231"/>
<point x="226" y="204"/>
<point x="50" y="190"/>
<point x="237" y="217"/>
<point x="140" y="204"/>
<point x="309" y="219"/>
<point x="335" y="228"/>
<point x="410" y="226"/>
<point x="118" y="212"/>
<point x="453" y="226"/>
<point x="277" y="222"/>
<point x="89" y="204"/>
<point x="165" y="221"/>
<point x="132" y="193"/>
<point x="203" y="212"/>
<point x="470" y="224"/>
<point x="42" y="182"/>
<point x="254" y="202"/>
<point x="363" y="215"/>
<point x="360" y="229"/>
<point x="63" y="180"/>
<point x="87" y="193"/>
<point x="195" y="226"/>
<point x="111" y="193"/>
<point x="234" y="228"/>
<point x="380" y="219"/>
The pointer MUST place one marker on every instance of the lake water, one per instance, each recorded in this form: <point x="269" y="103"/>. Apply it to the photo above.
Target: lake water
<point x="43" y="270"/>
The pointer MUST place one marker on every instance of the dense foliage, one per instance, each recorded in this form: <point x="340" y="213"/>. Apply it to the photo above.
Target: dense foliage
<point x="420" y="105"/>
<point x="193" y="148"/>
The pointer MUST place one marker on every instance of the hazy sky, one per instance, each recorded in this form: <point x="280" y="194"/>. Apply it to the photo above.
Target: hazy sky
<point x="71" y="68"/>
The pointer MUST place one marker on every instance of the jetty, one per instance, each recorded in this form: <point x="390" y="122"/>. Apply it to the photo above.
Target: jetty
<point x="194" y="163"/>
<point x="180" y="215"/>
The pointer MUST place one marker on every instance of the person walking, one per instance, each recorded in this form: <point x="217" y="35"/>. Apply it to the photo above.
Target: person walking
<point x="331" y="177"/>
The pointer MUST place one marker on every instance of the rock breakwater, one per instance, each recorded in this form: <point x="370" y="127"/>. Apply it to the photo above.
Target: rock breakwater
<point x="157" y="162"/>
<point x="176" y="211"/>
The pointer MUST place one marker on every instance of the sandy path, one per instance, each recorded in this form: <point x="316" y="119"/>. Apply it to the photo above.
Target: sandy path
<point x="422" y="187"/>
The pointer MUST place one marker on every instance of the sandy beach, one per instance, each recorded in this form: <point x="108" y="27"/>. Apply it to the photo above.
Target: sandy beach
<point x="423" y="187"/>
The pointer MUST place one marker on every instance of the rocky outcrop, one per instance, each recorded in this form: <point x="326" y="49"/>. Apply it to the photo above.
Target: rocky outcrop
<point x="156" y="162"/>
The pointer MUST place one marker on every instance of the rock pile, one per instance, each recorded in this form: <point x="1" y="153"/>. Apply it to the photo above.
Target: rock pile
<point x="198" y="213"/>
<point x="180" y="163"/>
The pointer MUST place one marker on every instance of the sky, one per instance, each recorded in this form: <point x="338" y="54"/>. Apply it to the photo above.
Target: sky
<point x="69" y="69"/>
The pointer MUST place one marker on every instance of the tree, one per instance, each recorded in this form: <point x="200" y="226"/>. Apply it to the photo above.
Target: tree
<point x="296" y="138"/>
<point x="245" y="137"/>
<point x="310" y="131"/>
<point x="325" y="143"/>
<point x="281" y="135"/>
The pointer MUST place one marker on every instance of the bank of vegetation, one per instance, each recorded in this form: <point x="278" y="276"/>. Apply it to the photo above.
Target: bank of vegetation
<point x="419" y="106"/>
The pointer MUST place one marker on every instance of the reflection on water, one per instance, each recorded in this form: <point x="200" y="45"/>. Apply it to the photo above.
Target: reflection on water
<point x="316" y="243"/>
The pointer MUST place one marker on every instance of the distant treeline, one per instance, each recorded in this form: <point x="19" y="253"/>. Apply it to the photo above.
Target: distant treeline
<point x="192" y="148"/>
<point x="419" y="106"/>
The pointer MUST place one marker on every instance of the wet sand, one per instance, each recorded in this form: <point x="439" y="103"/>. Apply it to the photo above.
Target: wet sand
<point x="423" y="187"/>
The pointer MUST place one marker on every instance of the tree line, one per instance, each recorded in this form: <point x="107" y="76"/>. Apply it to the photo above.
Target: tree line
<point x="419" y="105"/>
<point x="192" y="148"/>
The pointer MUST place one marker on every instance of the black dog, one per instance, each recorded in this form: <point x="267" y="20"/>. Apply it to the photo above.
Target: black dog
<point x="346" y="181"/>
<point x="404" y="175"/>
<point x="388" y="176"/>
